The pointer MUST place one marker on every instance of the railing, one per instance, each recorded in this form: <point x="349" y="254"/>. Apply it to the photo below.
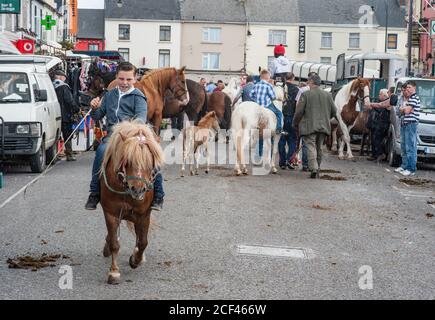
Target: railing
<point x="3" y="132"/>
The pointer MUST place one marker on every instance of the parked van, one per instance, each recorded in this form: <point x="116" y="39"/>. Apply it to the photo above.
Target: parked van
<point x="30" y="114"/>
<point x="426" y="126"/>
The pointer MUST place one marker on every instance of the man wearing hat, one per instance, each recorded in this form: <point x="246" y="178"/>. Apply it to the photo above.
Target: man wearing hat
<point x="280" y="65"/>
<point x="312" y="118"/>
<point x="68" y="109"/>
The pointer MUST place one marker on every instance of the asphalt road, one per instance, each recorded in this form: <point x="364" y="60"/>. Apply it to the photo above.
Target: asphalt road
<point x="371" y="219"/>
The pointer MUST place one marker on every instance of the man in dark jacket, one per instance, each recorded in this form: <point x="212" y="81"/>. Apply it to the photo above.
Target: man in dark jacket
<point x="68" y="109"/>
<point x="313" y="117"/>
<point x="124" y="102"/>
<point x="289" y="136"/>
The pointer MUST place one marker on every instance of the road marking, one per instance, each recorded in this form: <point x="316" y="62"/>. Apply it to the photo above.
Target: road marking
<point x="12" y="197"/>
<point x="284" y="252"/>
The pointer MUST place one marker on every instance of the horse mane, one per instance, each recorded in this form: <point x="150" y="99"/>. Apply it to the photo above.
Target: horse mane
<point x="157" y="79"/>
<point x="126" y="147"/>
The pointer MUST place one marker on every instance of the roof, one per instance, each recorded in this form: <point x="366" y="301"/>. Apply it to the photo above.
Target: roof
<point x="212" y="10"/>
<point x="29" y="62"/>
<point x="275" y="11"/>
<point x="143" y="9"/>
<point x="376" y="56"/>
<point x="90" y="24"/>
<point x="348" y="12"/>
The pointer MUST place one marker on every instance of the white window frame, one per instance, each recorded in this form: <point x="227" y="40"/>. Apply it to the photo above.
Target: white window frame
<point x="119" y="32"/>
<point x="207" y="34"/>
<point x="122" y="53"/>
<point x="273" y="34"/>
<point x="168" y="29"/>
<point x="326" y="36"/>
<point x="93" y="45"/>
<point x="206" y="60"/>
<point x="354" y="36"/>
<point x="165" y="54"/>
<point x="322" y="60"/>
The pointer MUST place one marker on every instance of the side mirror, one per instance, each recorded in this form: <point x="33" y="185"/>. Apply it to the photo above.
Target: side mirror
<point x="41" y="95"/>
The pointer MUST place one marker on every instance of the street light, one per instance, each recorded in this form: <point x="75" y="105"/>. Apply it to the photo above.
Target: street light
<point x="410" y="21"/>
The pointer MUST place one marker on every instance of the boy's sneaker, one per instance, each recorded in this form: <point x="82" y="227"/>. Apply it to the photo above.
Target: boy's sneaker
<point x="399" y="170"/>
<point x="157" y="204"/>
<point x="408" y="173"/>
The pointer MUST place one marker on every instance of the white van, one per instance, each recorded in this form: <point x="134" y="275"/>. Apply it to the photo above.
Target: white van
<point x="30" y="114"/>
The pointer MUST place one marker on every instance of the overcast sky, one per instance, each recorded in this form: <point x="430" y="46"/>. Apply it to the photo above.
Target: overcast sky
<point x="91" y="4"/>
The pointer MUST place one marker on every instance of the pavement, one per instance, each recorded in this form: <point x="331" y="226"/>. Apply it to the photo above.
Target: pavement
<point x="369" y="224"/>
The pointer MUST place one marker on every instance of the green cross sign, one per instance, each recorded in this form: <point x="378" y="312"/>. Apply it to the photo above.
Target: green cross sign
<point x="48" y="22"/>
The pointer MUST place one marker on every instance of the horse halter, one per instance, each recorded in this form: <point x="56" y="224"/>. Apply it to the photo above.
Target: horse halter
<point x="176" y="92"/>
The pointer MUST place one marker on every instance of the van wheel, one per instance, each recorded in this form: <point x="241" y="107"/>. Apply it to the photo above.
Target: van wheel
<point x="37" y="161"/>
<point x="394" y="159"/>
<point x="52" y="152"/>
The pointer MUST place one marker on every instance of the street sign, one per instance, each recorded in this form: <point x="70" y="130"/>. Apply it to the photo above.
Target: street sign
<point x="432" y="28"/>
<point x="301" y="39"/>
<point x="10" y="6"/>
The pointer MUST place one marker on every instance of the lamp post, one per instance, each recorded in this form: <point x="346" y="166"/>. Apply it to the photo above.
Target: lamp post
<point x="410" y="20"/>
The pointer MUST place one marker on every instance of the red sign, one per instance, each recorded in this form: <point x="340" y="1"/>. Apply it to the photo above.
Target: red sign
<point x="25" y="46"/>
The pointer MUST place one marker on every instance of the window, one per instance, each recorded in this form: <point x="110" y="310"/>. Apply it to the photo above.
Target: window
<point x="93" y="47"/>
<point x="277" y="37"/>
<point x="124" y="32"/>
<point x="211" y="35"/>
<point x="326" y="40"/>
<point x="325" y="60"/>
<point x="211" y="61"/>
<point x="14" y="87"/>
<point x="125" y="53"/>
<point x="354" y="40"/>
<point x="392" y="41"/>
<point x="164" y="58"/>
<point x="165" y="33"/>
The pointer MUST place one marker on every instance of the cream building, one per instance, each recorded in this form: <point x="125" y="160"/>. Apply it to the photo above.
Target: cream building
<point x="213" y="38"/>
<point x="146" y="33"/>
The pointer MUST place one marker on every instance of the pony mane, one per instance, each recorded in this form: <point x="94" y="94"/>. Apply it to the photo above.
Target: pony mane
<point x="133" y="144"/>
<point x="162" y="72"/>
<point x="206" y="118"/>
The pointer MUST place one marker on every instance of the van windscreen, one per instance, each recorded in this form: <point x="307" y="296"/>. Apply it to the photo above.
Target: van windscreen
<point x="14" y="87"/>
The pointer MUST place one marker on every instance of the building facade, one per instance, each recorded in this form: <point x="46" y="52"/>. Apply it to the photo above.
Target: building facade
<point x="90" y="35"/>
<point x="147" y="33"/>
<point x="427" y="45"/>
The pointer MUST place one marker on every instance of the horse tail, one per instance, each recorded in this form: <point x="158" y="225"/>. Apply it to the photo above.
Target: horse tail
<point x="263" y="121"/>
<point x="227" y="113"/>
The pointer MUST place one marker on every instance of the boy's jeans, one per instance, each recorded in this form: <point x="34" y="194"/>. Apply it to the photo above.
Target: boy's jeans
<point x="290" y="140"/>
<point x="278" y="114"/>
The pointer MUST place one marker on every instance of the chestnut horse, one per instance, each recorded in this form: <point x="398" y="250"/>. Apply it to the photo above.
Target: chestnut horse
<point x="154" y="85"/>
<point x="346" y="100"/>
<point x="130" y="164"/>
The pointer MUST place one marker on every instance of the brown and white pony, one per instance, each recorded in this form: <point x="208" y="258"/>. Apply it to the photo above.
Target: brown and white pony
<point x="196" y="136"/>
<point x="346" y="101"/>
<point x="130" y="164"/>
<point x="154" y="85"/>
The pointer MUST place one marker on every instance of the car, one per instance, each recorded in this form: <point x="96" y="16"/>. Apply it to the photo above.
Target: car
<point x="30" y="114"/>
<point x="426" y="126"/>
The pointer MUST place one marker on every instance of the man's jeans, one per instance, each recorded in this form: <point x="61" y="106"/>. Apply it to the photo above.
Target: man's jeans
<point x="98" y="161"/>
<point x="408" y="144"/>
<point x="278" y="115"/>
<point x="288" y="140"/>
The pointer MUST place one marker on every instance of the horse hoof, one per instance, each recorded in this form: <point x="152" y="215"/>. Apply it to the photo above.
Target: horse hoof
<point x="206" y="171"/>
<point x="238" y="173"/>
<point x="114" y="279"/>
<point x="133" y="265"/>
<point x="274" y="170"/>
<point x="196" y="173"/>
<point x="340" y="157"/>
<point x="106" y="251"/>
<point x="245" y="172"/>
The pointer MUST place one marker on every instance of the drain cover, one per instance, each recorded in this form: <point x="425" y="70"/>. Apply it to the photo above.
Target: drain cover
<point x="286" y="252"/>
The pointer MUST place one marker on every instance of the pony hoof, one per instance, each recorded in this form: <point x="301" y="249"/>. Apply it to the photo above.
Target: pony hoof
<point x="206" y="171"/>
<point x="196" y="173"/>
<point x="274" y="170"/>
<point x="106" y="251"/>
<point x="245" y="172"/>
<point x="238" y="173"/>
<point x="114" y="279"/>
<point x="341" y="157"/>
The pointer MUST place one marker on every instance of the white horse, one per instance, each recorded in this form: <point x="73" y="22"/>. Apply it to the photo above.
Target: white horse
<point x="345" y="101"/>
<point x="233" y="87"/>
<point x="246" y="119"/>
